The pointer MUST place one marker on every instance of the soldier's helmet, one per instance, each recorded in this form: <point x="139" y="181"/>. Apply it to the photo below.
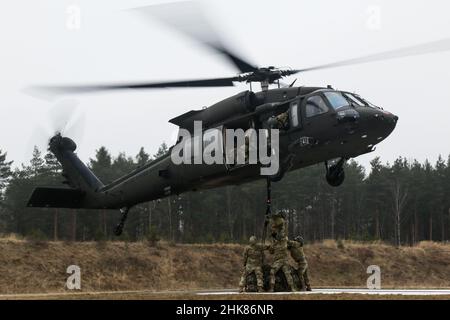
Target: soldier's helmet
<point x="300" y="240"/>
<point x="252" y="240"/>
<point x="279" y="214"/>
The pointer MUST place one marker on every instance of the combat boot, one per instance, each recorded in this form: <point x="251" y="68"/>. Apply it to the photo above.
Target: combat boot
<point x="260" y="289"/>
<point x="241" y="289"/>
<point x="308" y="287"/>
<point x="294" y="288"/>
<point x="302" y="285"/>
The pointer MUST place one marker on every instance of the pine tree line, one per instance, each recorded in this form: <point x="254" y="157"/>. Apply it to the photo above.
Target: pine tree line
<point x="402" y="203"/>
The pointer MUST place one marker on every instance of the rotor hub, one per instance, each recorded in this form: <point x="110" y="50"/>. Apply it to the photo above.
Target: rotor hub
<point x="59" y="143"/>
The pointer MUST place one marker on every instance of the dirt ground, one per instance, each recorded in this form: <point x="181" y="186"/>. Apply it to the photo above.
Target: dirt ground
<point x="30" y="267"/>
<point x="193" y="296"/>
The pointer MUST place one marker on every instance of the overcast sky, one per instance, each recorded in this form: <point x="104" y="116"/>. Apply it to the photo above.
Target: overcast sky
<point x="41" y="44"/>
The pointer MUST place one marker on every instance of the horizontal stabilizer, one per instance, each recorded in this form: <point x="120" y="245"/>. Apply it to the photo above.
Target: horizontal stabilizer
<point x="185" y="119"/>
<point x="47" y="197"/>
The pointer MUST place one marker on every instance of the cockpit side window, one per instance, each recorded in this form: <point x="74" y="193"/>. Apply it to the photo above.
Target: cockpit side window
<point x="336" y="99"/>
<point x="315" y="105"/>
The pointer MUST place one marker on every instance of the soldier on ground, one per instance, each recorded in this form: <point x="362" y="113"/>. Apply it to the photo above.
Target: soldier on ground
<point x="279" y="249"/>
<point x="296" y="249"/>
<point x="253" y="261"/>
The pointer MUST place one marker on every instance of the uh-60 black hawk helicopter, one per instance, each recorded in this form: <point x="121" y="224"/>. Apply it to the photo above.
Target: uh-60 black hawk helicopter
<point x="322" y="125"/>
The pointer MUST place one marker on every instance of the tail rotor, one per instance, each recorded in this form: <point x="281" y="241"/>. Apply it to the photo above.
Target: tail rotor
<point x="62" y="121"/>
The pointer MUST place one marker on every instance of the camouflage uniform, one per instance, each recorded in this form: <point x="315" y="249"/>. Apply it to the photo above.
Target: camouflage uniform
<point x="278" y="226"/>
<point x="282" y="120"/>
<point x="279" y="249"/>
<point x="296" y="249"/>
<point x="253" y="260"/>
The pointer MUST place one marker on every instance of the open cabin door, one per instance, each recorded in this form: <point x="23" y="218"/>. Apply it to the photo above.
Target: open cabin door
<point x="205" y="151"/>
<point x="250" y="147"/>
<point x="237" y="148"/>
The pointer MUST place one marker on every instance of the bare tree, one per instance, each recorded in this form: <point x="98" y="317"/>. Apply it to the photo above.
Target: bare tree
<point x="229" y="211"/>
<point x="399" y="195"/>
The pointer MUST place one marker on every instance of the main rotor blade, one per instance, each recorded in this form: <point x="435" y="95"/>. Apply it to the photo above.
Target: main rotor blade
<point x="217" y="82"/>
<point x="187" y="18"/>
<point x="430" y="47"/>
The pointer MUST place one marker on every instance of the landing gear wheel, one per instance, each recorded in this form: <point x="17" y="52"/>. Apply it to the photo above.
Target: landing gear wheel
<point x="336" y="179"/>
<point x="335" y="173"/>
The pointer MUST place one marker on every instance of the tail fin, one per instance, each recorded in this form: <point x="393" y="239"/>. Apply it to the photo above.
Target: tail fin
<point x="81" y="180"/>
<point x="75" y="171"/>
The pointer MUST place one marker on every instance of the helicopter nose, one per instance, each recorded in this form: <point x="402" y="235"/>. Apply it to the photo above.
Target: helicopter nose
<point x="376" y="124"/>
<point x="384" y="123"/>
<point x="387" y="118"/>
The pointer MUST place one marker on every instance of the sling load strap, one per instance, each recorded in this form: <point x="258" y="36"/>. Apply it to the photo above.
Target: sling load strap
<point x="268" y="208"/>
<point x="124" y="214"/>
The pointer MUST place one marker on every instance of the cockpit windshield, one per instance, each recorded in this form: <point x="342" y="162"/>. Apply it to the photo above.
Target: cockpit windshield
<point x="371" y="104"/>
<point x="355" y="100"/>
<point x="336" y="99"/>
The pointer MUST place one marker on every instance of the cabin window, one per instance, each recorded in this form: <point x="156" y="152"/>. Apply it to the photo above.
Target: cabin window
<point x="315" y="105"/>
<point x="294" y="114"/>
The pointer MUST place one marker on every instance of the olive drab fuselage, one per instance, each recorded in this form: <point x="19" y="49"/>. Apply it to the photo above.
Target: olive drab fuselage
<point x="329" y="138"/>
<point x="310" y="137"/>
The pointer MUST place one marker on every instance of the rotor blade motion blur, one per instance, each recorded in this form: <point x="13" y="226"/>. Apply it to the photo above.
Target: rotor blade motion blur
<point x="60" y="121"/>
<point x="218" y="82"/>
<point x="187" y="18"/>
<point x="429" y="47"/>
<point x="60" y="114"/>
